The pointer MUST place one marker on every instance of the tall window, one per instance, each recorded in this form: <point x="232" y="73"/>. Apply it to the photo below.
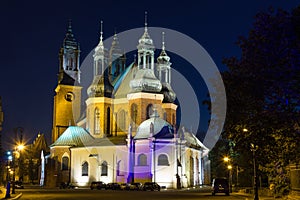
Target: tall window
<point x="163" y="160"/>
<point x="119" y="172"/>
<point x="65" y="163"/>
<point x="97" y="121"/>
<point x="104" y="168"/>
<point x="165" y="116"/>
<point x="142" y="160"/>
<point x="149" y="111"/>
<point x="173" y="119"/>
<point x="108" y="121"/>
<point x="122" y="120"/>
<point x="85" y="169"/>
<point x="134" y="110"/>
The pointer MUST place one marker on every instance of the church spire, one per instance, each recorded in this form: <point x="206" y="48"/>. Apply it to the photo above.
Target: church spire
<point x="145" y="80"/>
<point x="146" y="49"/>
<point x="163" y="41"/>
<point x="69" y="58"/>
<point x="117" y="58"/>
<point x="146" y="24"/>
<point x="164" y="73"/>
<point x="163" y="57"/>
<point x="100" y="55"/>
<point x="101" y="32"/>
<point x="101" y="85"/>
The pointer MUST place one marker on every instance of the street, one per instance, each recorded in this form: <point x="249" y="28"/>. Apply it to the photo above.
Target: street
<point x="87" y="194"/>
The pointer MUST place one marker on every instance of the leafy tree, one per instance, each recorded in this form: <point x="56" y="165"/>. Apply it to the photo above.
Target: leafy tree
<point x="263" y="92"/>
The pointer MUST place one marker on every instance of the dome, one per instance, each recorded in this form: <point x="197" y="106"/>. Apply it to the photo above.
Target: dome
<point x="145" y="42"/>
<point x="162" y="129"/>
<point x="101" y="87"/>
<point x="163" y="58"/>
<point x="145" y="81"/>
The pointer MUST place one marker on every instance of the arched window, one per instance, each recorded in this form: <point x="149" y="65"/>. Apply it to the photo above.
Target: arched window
<point x="97" y="122"/>
<point x="85" y="169"/>
<point x="149" y="111"/>
<point x="104" y="168"/>
<point x="163" y="160"/>
<point x="134" y="110"/>
<point x="142" y="160"/>
<point x="122" y="120"/>
<point x="108" y="121"/>
<point x="65" y="163"/>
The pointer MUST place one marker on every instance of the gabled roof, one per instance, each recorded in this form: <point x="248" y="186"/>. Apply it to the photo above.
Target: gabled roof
<point x="74" y="136"/>
<point x="192" y="140"/>
<point x="121" y="83"/>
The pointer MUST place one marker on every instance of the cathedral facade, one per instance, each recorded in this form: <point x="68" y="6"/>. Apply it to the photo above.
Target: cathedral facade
<point x="127" y="131"/>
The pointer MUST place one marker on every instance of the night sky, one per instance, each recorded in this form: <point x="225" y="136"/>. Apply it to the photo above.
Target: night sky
<point x="32" y="33"/>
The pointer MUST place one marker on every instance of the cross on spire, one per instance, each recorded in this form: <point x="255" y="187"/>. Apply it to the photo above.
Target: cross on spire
<point x="101" y="31"/>
<point x="163" y="41"/>
<point x="69" y="25"/>
<point x="146" y="21"/>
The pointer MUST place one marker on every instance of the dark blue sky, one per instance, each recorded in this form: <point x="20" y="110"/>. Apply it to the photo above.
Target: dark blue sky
<point x="32" y="33"/>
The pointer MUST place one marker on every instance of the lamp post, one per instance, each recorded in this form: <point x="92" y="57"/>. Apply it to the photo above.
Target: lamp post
<point x="253" y="149"/>
<point x="229" y="167"/>
<point x="226" y="159"/>
<point x="18" y="148"/>
<point x="14" y="172"/>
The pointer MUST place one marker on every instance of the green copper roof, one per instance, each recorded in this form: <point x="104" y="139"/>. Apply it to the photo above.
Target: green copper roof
<point x="74" y="136"/>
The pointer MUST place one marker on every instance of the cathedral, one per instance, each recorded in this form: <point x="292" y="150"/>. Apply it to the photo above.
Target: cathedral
<point x="126" y="131"/>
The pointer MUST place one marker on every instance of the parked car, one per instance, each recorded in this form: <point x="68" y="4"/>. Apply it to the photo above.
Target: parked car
<point x="124" y="186"/>
<point x="19" y="185"/>
<point x="113" y="186"/>
<point x="98" y="185"/>
<point x="220" y="185"/>
<point x="135" y="186"/>
<point x="65" y="185"/>
<point x="151" y="186"/>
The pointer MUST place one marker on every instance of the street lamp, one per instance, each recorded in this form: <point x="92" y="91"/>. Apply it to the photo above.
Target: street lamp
<point x="245" y="130"/>
<point x="18" y="149"/>
<point x="226" y="159"/>
<point x="253" y="149"/>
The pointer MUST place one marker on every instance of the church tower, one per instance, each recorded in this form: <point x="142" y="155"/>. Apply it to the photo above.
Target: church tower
<point x="164" y="74"/>
<point x="145" y="87"/>
<point x="99" y="102"/>
<point x="117" y="59"/>
<point x="67" y="99"/>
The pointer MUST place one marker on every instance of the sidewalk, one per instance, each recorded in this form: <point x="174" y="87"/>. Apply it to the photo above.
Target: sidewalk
<point x="292" y="196"/>
<point x="12" y="196"/>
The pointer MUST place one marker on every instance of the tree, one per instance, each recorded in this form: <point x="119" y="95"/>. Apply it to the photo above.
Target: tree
<point x="263" y="91"/>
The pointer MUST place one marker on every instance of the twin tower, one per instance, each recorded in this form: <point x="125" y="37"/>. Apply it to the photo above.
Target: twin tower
<point x="119" y="95"/>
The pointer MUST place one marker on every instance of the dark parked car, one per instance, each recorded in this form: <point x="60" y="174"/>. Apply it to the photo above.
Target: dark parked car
<point x="98" y="185"/>
<point x="220" y="185"/>
<point x="135" y="186"/>
<point x="65" y="185"/>
<point x="113" y="186"/>
<point x="124" y="186"/>
<point x="151" y="186"/>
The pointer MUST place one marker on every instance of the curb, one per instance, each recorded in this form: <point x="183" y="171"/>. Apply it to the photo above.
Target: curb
<point x="16" y="197"/>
